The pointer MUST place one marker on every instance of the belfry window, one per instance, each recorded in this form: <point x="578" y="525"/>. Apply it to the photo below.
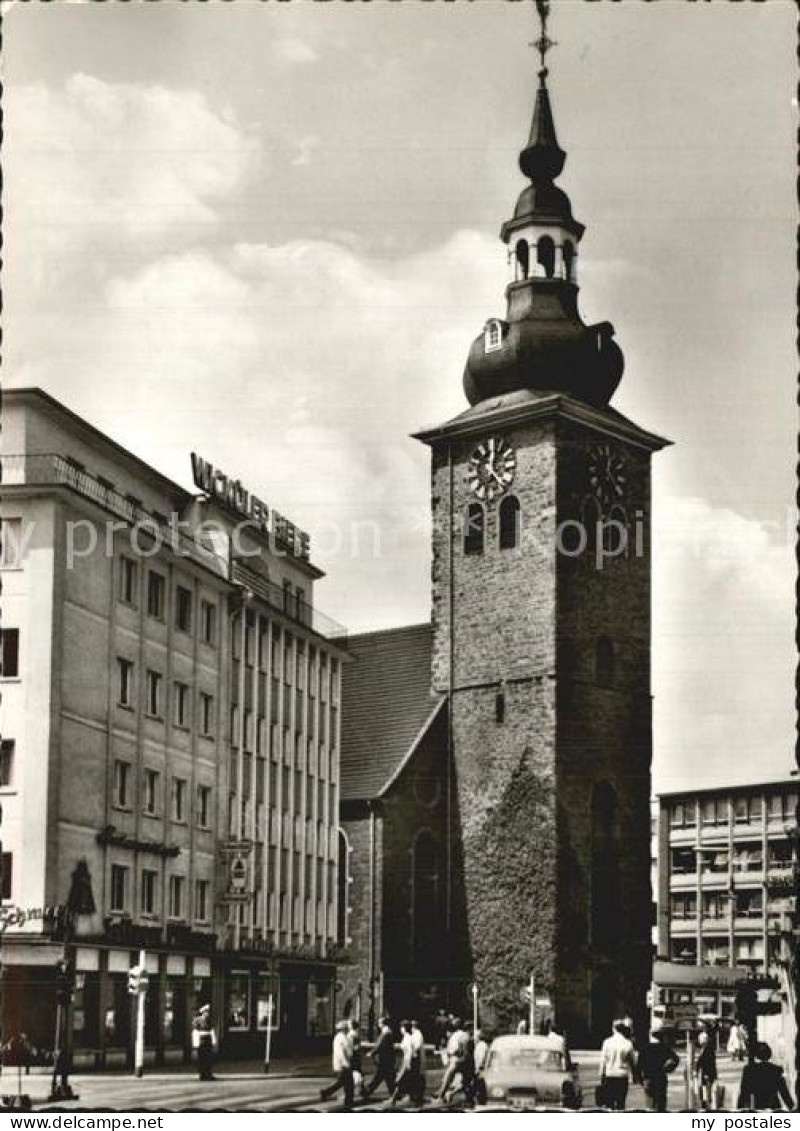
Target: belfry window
<point x="546" y="255"/>
<point x="509" y="523"/>
<point x="493" y="338"/>
<point x="473" y="533"/>
<point x="522" y="252"/>
<point x="568" y="254"/>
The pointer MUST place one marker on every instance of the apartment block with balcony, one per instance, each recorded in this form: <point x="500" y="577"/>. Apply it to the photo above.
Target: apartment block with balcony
<point x="727" y="862"/>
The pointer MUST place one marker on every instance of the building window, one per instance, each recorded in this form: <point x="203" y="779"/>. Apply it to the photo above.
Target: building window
<point x="206" y="714"/>
<point x="683" y="862"/>
<point x="683" y="815"/>
<point x="124" y="682"/>
<point x="715" y="811"/>
<point x="179" y="799"/>
<point x="11" y="543"/>
<point x="128" y="580"/>
<point x="122" y="777"/>
<point x="183" y="609"/>
<point x="750" y="904"/>
<point x="715" y="861"/>
<point x="208" y="617"/>
<point x="684" y="950"/>
<point x="509" y="523"/>
<point x="473" y="533"/>
<point x="716" y="951"/>
<point x="568" y="254"/>
<point x="493" y="336"/>
<point x="684" y="906"/>
<point x="204" y="806"/>
<point x="181" y="701"/>
<point x="522" y="253"/>
<point x="119" y="888"/>
<point x="716" y="905"/>
<point x="154" y="681"/>
<point x="10" y="653"/>
<point x="604" y="661"/>
<point x="546" y="255"/>
<point x="748" y="858"/>
<point x="425" y="909"/>
<point x="7" y="763"/>
<point x="201" y="900"/>
<point x="149" y="883"/>
<point x="176" y="888"/>
<point x="500" y="707"/>
<point x="6" y="875"/>
<point x="156" y="592"/>
<point x="151" y="790"/>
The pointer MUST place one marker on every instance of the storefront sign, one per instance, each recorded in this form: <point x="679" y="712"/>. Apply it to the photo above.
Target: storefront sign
<point x="19" y="916"/>
<point x="233" y="495"/>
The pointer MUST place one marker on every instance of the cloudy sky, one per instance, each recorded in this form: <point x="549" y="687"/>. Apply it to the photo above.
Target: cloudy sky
<point x="268" y="231"/>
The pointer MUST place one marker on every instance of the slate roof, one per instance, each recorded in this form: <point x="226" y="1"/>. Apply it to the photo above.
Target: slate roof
<point x="386" y="703"/>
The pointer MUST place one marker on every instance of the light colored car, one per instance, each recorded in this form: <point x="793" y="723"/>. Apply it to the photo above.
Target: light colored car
<point x="524" y="1070"/>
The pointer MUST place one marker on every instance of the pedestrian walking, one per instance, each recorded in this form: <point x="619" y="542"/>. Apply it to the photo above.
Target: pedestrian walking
<point x="204" y="1040"/>
<point x="656" y="1061"/>
<point x="468" y="1066"/>
<point x="617" y="1065"/>
<point x="385" y="1056"/>
<point x="705" y="1066"/>
<point x="417" y="1065"/>
<point x="456" y="1046"/>
<point x="355" y="1062"/>
<point x="763" y="1086"/>
<point x="522" y="1027"/>
<point x="405" y="1080"/>
<point x="481" y="1053"/>
<point x="441" y="1029"/>
<point x="342" y="1063"/>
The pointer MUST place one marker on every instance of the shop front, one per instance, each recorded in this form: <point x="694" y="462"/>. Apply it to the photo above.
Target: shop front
<point x="295" y="1000"/>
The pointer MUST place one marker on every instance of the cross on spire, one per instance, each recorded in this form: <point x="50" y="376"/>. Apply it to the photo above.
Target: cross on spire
<point x="543" y="43"/>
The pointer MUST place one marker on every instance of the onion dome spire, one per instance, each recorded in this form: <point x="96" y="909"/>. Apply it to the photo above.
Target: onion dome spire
<point x="543" y="344"/>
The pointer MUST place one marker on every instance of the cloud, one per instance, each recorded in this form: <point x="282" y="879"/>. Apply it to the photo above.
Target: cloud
<point x="292" y="50"/>
<point x="723" y="645"/>
<point x="100" y="169"/>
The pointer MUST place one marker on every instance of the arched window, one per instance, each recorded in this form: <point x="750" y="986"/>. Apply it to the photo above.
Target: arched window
<point x="425" y="909"/>
<point x="509" y="523"/>
<point x="568" y="252"/>
<point x="500" y="707"/>
<point x="604" y="661"/>
<point x="606" y="904"/>
<point x="615" y="533"/>
<point x="342" y="889"/>
<point x="523" y="255"/>
<point x="493" y="335"/>
<point x="546" y="255"/>
<point x="473" y="534"/>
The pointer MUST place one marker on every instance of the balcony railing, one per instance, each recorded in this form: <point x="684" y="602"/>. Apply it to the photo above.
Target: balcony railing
<point x="51" y="470"/>
<point x="289" y="604"/>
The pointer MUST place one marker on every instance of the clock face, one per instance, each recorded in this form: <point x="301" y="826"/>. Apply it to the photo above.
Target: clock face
<point x="491" y="469"/>
<point x="607" y="475"/>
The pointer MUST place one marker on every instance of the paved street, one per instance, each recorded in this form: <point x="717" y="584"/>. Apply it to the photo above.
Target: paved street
<point x="294" y="1090"/>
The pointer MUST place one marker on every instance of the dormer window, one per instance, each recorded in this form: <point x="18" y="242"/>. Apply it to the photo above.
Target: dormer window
<point x="493" y="335"/>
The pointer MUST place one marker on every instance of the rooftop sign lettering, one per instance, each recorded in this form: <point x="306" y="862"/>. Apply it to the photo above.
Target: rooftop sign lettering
<point x="231" y="494"/>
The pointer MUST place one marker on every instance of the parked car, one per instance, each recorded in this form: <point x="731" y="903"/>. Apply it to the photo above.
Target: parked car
<point x="528" y="1071"/>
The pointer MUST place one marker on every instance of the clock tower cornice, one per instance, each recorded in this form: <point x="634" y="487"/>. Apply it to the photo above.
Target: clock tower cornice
<point x="524" y="407"/>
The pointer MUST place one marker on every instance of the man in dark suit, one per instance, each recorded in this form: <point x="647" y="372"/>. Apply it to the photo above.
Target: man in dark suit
<point x="385" y="1057"/>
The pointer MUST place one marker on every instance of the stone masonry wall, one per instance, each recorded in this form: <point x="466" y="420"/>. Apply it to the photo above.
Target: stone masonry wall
<point x="604" y="736"/>
<point x="502" y="643"/>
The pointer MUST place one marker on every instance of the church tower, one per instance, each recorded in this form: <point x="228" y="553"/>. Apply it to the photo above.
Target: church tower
<point x="541" y="622"/>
